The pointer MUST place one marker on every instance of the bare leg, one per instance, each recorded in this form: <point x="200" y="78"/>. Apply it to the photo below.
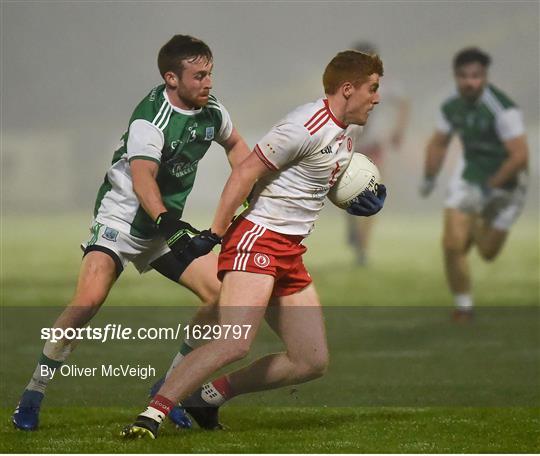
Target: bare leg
<point x="457" y="239"/>
<point x="489" y="240"/>
<point x="297" y="319"/>
<point x="201" y="278"/>
<point x="243" y="301"/>
<point x="364" y="228"/>
<point x="96" y="277"/>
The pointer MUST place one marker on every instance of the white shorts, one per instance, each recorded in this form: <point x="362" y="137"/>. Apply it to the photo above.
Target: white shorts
<point x="500" y="208"/>
<point x="128" y="248"/>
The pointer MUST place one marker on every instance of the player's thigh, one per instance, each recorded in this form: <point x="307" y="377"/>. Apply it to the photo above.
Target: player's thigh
<point x="201" y="278"/>
<point x="243" y="300"/>
<point x="458" y="230"/>
<point x="97" y="275"/>
<point x="298" y="320"/>
<point x="490" y="240"/>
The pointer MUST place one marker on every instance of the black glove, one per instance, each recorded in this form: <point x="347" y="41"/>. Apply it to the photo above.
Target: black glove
<point x="175" y="232"/>
<point x="368" y="203"/>
<point x="202" y="244"/>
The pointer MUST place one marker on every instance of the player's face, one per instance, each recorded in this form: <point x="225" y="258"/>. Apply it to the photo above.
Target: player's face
<point x="193" y="88"/>
<point x="470" y="80"/>
<point x="362" y="100"/>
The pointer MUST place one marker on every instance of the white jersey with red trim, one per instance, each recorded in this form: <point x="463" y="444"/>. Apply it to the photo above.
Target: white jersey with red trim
<point x="307" y="150"/>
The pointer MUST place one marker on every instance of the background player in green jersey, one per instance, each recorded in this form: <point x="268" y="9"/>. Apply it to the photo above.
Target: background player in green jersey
<point x="487" y="193"/>
<point x="138" y="210"/>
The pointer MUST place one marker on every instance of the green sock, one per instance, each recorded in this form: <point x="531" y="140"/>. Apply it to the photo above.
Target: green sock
<point x="185" y="348"/>
<point x="43" y="374"/>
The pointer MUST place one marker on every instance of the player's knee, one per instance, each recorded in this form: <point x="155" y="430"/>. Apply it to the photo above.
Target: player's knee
<point x="314" y="367"/>
<point x="237" y="350"/>
<point x="452" y="246"/>
<point x="488" y="254"/>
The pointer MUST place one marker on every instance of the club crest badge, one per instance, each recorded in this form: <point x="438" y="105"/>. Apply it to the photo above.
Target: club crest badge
<point x="209" y="134"/>
<point x="261" y="260"/>
<point x="110" y="234"/>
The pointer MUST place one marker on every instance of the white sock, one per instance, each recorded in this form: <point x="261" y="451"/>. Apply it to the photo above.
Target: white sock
<point x="463" y="301"/>
<point x="56" y="354"/>
<point x="211" y="395"/>
<point x="154" y="413"/>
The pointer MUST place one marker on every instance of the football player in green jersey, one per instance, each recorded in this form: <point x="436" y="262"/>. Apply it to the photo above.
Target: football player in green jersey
<point x="487" y="193"/>
<point x="138" y="210"/>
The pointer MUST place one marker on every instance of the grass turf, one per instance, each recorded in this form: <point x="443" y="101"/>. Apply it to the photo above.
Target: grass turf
<point x="397" y="351"/>
<point x="288" y="430"/>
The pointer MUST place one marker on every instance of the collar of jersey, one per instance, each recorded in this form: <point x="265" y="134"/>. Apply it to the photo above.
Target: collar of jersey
<point x="338" y="122"/>
<point x="190" y="112"/>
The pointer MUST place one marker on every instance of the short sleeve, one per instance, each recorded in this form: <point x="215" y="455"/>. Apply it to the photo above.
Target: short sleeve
<point x="145" y="141"/>
<point x="226" y="124"/>
<point x="441" y="123"/>
<point x="281" y="145"/>
<point x="509" y="124"/>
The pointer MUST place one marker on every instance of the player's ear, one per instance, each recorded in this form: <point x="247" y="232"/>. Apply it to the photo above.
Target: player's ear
<point x="171" y="79"/>
<point x="346" y="90"/>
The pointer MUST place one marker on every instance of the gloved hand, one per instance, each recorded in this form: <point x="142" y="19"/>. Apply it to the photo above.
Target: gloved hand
<point x="175" y="232"/>
<point x="368" y="203"/>
<point x="427" y="186"/>
<point x="202" y="244"/>
<point x="495" y="198"/>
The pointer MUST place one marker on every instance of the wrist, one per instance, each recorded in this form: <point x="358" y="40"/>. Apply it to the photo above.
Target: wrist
<point x="165" y="224"/>
<point x="217" y="232"/>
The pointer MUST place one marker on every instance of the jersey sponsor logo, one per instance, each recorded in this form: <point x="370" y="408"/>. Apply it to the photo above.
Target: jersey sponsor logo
<point x="261" y="260"/>
<point x="319" y="192"/>
<point x="110" y="234"/>
<point x="182" y="169"/>
<point x="209" y="134"/>
<point x="327" y="150"/>
<point x="349" y="144"/>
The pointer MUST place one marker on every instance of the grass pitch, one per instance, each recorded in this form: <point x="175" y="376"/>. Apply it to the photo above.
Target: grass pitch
<point x="403" y="378"/>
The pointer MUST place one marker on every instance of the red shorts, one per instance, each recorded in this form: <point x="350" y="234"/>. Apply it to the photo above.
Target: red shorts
<point x="254" y="248"/>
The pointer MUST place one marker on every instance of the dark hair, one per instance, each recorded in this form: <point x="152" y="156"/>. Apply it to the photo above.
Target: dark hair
<point x="178" y="48"/>
<point x="350" y="66"/>
<point x="471" y="55"/>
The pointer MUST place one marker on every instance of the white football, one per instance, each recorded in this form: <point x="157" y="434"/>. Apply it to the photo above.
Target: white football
<point x="361" y="174"/>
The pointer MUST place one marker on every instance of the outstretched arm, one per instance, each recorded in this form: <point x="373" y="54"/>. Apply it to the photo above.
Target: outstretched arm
<point x="435" y="154"/>
<point x="236" y="148"/>
<point x="402" y="119"/>
<point x="236" y="190"/>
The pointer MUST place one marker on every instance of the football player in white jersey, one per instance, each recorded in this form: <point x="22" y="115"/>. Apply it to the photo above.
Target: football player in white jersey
<point x="260" y="263"/>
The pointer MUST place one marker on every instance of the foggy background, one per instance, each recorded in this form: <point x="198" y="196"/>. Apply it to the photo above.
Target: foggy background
<point x="72" y="73"/>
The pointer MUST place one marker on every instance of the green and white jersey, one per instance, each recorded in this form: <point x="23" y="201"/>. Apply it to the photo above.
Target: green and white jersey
<point x="174" y="138"/>
<point x="482" y="125"/>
